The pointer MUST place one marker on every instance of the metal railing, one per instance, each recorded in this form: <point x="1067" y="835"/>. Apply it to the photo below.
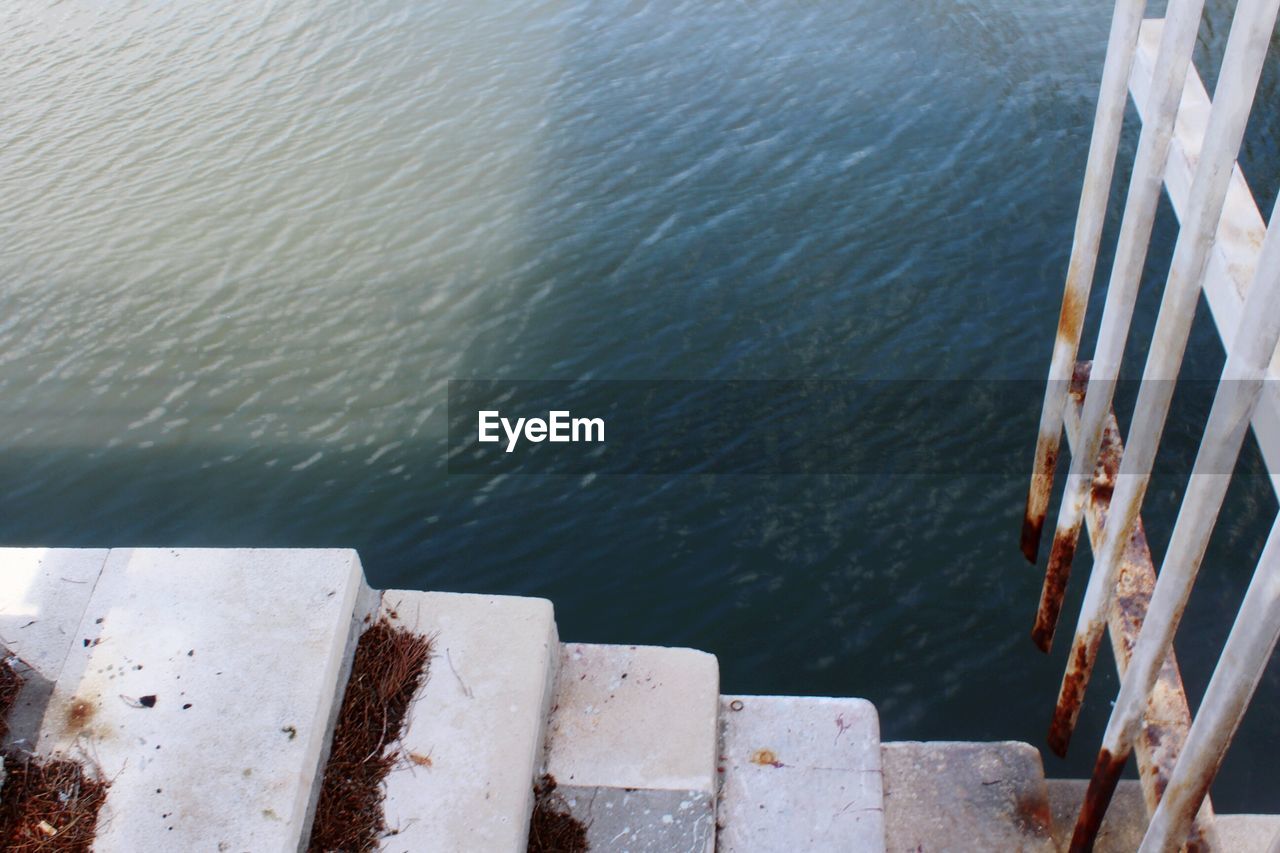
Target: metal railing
<point x="1187" y="145"/>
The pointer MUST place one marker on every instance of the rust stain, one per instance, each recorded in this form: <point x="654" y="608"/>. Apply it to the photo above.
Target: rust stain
<point x="1080" y="378"/>
<point x="1034" y="817"/>
<point x="1070" y="321"/>
<point x="1102" y="785"/>
<point x="1033" y="518"/>
<point x="79" y="715"/>
<point x="1055" y="589"/>
<point x="1074" y="302"/>
<point x="766" y="758"/>
<point x="1071" y="695"/>
<point x="1197" y="842"/>
<point x="1047" y="448"/>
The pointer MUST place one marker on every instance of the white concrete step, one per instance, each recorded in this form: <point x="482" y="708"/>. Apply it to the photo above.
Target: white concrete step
<point x="203" y="684"/>
<point x="632" y="745"/>
<point x="473" y="738"/>
<point x="800" y="773"/>
<point x="941" y="796"/>
<point x="43" y="596"/>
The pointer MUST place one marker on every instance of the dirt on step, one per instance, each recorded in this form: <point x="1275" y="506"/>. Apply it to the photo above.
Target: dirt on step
<point x="552" y="829"/>
<point x="47" y="804"/>
<point x="390" y="664"/>
<point x="10" y="686"/>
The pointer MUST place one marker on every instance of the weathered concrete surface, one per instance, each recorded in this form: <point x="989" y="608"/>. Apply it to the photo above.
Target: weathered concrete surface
<point x="473" y="739"/>
<point x="203" y="684"/>
<point x="1249" y="833"/>
<point x="952" y="796"/>
<point x="1122" y="828"/>
<point x="43" y="595"/>
<point x="632" y="744"/>
<point x="799" y="773"/>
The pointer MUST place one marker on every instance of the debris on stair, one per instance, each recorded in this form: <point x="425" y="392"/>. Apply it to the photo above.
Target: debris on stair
<point x="390" y="665"/>
<point x="48" y="804"/>
<point x="10" y="687"/>
<point x="553" y="829"/>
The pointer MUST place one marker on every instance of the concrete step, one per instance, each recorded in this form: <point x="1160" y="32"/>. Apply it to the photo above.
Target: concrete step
<point x="203" y="684"/>
<point x="942" y="796"/>
<point x="1122" y="828"/>
<point x="800" y="773"/>
<point x="1249" y="833"/>
<point x="632" y="744"/>
<point x="1126" y="821"/>
<point x="473" y="739"/>
<point x="43" y="596"/>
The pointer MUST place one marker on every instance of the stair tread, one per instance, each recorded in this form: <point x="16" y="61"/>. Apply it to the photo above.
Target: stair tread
<point x="43" y="596"/>
<point x="202" y="684"/>
<point x="1122" y="828"/>
<point x="473" y="738"/>
<point x="632" y="744"/>
<point x="800" y="773"/>
<point x="991" y="795"/>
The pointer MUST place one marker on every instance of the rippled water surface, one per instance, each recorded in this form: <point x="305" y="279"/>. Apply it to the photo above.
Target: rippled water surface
<point x="243" y="248"/>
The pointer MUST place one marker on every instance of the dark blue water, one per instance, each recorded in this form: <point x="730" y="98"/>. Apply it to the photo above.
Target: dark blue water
<point x="242" y="253"/>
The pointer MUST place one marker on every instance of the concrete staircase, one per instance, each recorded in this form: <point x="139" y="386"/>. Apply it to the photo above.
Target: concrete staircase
<point x="205" y="683"/>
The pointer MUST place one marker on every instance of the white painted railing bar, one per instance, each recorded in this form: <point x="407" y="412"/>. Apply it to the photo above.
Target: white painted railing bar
<point x="1238" y="78"/>
<point x="1108" y="121"/>
<point x="1233" y="260"/>
<point x="1236" y="398"/>
<point x="1243" y="661"/>
<point x="1122" y="289"/>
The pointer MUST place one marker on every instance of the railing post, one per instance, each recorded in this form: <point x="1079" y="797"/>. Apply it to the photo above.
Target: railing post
<point x="1108" y="120"/>
<point x="1126" y="272"/>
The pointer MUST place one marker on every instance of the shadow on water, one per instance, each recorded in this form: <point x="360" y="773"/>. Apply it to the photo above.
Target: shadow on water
<point x="903" y="209"/>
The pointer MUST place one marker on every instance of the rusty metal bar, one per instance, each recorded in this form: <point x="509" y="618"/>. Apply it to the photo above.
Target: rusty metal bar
<point x="1143" y="196"/>
<point x="1244" y="658"/>
<point x="1167" y="715"/>
<point x="1108" y="120"/>
<point x="1241" y="68"/>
